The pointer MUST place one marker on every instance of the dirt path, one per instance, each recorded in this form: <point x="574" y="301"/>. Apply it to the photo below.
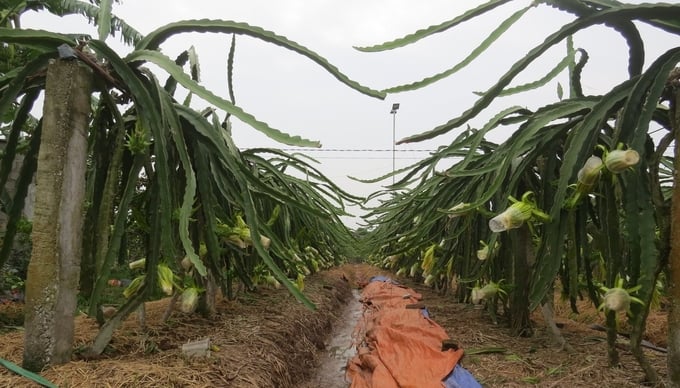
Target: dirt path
<point x="268" y="339"/>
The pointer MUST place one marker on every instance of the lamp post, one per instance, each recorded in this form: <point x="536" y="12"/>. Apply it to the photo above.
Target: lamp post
<point x="393" y="112"/>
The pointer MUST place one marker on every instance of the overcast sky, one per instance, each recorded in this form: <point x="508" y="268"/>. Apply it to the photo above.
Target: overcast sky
<point x="293" y="94"/>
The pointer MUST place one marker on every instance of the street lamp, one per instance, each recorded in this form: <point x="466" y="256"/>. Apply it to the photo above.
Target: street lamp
<point x="393" y="112"/>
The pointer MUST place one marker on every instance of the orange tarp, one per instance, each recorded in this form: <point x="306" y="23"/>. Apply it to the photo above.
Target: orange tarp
<point x="398" y="346"/>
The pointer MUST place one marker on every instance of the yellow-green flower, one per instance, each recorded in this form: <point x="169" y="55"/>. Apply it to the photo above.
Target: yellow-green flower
<point x="166" y="278"/>
<point x="134" y="286"/>
<point x="189" y="300"/>
<point x="300" y="282"/>
<point x="428" y="259"/>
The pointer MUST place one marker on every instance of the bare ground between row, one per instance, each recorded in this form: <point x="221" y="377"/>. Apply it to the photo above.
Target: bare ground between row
<point x="268" y="339"/>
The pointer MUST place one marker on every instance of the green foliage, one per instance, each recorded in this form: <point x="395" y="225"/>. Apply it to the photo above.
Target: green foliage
<point x="167" y="172"/>
<point x="157" y="37"/>
<point x="604" y="229"/>
<point x="183" y="181"/>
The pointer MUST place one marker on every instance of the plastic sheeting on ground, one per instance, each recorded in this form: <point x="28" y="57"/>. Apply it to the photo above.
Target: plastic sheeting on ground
<point x="398" y="345"/>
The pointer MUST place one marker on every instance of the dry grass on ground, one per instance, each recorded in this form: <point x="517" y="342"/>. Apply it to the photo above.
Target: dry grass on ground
<point x="536" y="361"/>
<point x="268" y="339"/>
<point x="265" y="339"/>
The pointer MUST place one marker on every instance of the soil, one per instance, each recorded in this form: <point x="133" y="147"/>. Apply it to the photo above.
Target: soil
<point x="510" y="361"/>
<point x="268" y="339"/>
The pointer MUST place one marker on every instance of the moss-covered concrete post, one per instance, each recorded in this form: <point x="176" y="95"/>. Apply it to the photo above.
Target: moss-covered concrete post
<point x="674" y="259"/>
<point x="54" y="269"/>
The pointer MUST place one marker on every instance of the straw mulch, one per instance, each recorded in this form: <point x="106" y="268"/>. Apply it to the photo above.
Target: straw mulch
<point x="267" y="339"/>
<point x="537" y="360"/>
<point x="262" y="339"/>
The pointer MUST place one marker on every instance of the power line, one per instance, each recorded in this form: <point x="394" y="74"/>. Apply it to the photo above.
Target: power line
<point x="361" y="158"/>
<point x="345" y="150"/>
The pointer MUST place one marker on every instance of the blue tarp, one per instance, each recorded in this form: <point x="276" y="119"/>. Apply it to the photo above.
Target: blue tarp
<point x="461" y="378"/>
<point x="381" y="278"/>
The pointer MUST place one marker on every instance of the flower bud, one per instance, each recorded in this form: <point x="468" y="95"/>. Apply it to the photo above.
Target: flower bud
<point x="476" y="296"/>
<point x="414" y="269"/>
<point x="590" y="172"/>
<point x="137" y="264"/>
<point x="186" y="263"/>
<point x="428" y="259"/>
<point x="134" y="286"/>
<point x="485" y="252"/>
<point x="459" y="210"/>
<point x="513" y="217"/>
<point x="428" y="280"/>
<point x="300" y="282"/>
<point x="189" y="300"/>
<point x="617" y="299"/>
<point x="619" y="160"/>
<point x="265" y="241"/>
<point x="138" y="140"/>
<point x="490" y="290"/>
<point x="165" y="278"/>
<point x="586" y="179"/>
<point x="271" y="281"/>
